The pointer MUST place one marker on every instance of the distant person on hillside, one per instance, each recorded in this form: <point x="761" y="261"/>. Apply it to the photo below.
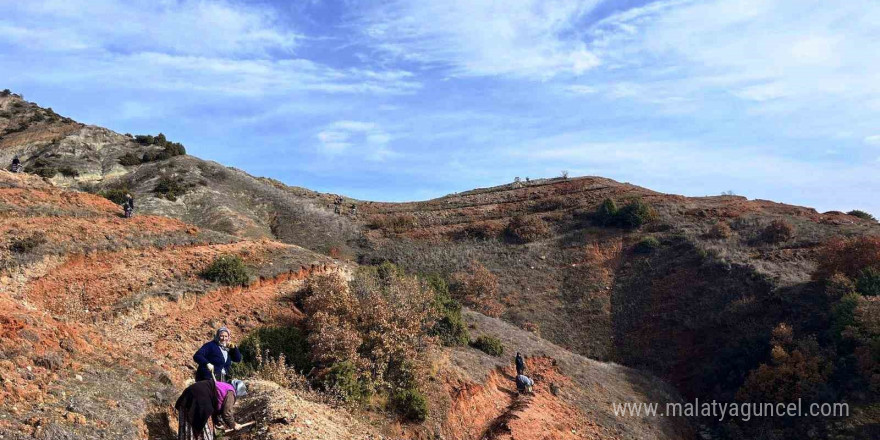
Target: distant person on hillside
<point x="16" y="165"/>
<point x="524" y="384"/>
<point x="520" y="364"/>
<point x="217" y="356"/>
<point x="207" y="400"/>
<point x="128" y="205"/>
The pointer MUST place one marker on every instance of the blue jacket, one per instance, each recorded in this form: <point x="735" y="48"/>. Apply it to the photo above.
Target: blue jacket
<point x="210" y="353"/>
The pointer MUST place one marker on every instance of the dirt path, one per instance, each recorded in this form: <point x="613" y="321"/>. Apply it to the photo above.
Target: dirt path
<point x="496" y="411"/>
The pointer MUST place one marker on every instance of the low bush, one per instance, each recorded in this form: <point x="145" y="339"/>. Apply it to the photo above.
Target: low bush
<point x="47" y="172"/>
<point x="478" y="231"/>
<point x="862" y="215"/>
<point x="287" y="341"/>
<point x="868" y="282"/>
<point x="68" y="172"/>
<point x="396" y="223"/>
<point x="777" y="231"/>
<point x="450" y="329"/>
<point x="115" y="195"/>
<point x="524" y="229"/>
<point x="27" y="244"/>
<point x="633" y="215"/>
<point x="343" y="379"/>
<point x="606" y="214"/>
<point x="170" y="187"/>
<point x="410" y="403"/>
<point x="647" y="245"/>
<point x="847" y="256"/>
<point x="44" y="168"/>
<point x="364" y="331"/>
<point x="489" y="345"/>
<point x="228" y="270"/>
<point x="720" y="231"/>
<point x="477" y="287"/>
<point x="129" y="159"/>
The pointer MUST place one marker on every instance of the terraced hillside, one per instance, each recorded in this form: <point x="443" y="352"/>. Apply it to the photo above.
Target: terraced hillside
<point x="101" y="315"/>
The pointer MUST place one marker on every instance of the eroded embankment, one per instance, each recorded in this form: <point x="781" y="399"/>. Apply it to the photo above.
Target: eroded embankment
<point x="495" y="410"/>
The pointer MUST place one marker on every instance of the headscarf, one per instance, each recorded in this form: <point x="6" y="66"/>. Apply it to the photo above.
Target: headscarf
<point x="221" y="330"/>
<point x="240" y="388"/>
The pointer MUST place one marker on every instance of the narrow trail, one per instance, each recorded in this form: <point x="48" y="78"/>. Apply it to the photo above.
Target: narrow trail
<point x="496" y="411"/>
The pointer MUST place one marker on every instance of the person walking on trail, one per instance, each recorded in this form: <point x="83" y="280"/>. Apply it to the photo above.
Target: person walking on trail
<point x="524" y="384"/>
<point x="215" y="358"/>
<point x="204" y="401"/>
<point x="520" y="364"/>
<point x="16" y="164"/>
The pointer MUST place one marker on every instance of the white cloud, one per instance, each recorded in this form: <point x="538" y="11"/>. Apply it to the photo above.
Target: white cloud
<point x="582" y="89"/>
<point x="190" y="27"/>
<point x="190" y="45"/>
<point x="340" y="136"/>
<point x="535" y="39"/>
<point x="873" y="140"/>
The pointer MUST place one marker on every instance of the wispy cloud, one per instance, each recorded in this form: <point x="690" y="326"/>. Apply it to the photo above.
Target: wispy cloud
<point x="523" y="38"/>
<point x="362" y="139"/>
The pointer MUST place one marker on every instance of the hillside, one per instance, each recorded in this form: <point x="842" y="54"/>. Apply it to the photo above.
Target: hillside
<point x="695" y="295"/>
<point x="101" y="315"/>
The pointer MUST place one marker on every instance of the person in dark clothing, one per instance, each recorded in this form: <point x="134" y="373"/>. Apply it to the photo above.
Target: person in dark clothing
<point x="128" y="205"/>
<point x="16" y="164"/>
<point x="203" y="401"/>
<point x="219" y="354"/>
<point x="520" y="364"/>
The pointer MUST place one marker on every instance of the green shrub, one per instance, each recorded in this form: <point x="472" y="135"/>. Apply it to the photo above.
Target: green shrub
<point x="635" y="214"/>
<point x="450" y="327"/>
<point x="115" y="195"/>
<point x="47" y="172"/>
<point x="68" y="172"/>
<point x="862" y="215"/>
<point x="489" y="345"/>
<point x="129" y="159"/>
<point x="169" y="149"/>
<point x="170" y="188"/>
<point x="5" y="93"/>
<point x="26" y="244"/>
<point x="228" y="270"/>
<point x="44" y="168"/>
<point x="343" y="379"/>
<point x="289" y="341"/>
<point x="868" y="282"/>
<point x="647" y="245"/>
<point x="410" y="403"/>
<point x="606" y="214"/>
<point x="843" y="314"/>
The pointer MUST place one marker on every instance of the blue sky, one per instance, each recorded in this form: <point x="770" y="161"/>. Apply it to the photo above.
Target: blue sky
<point x="408" y="100"/>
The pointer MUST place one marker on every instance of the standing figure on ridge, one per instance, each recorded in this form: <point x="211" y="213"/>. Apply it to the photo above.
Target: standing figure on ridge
<point x="520" y="364"/>
<point x="128" y="205"/>
<point x="16" y="165"/>
<point x="215" y="358"/>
